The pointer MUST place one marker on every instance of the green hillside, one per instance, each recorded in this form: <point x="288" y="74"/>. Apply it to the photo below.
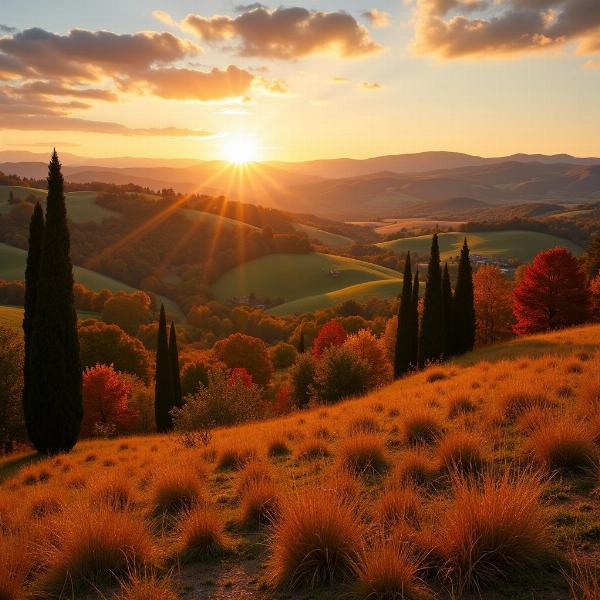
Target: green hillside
<point x="12" y="266"/>
<point x="81" y="206"/>
<point x="332" y="240"/>
<point x="523" y="245"/>
<point x="206" y="217"/>
<point x="300" y="276"/>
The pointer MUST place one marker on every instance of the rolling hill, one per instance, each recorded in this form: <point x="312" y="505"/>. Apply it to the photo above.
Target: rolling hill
<point x="303" y="276"/>
<point x="522" y="245"/>
<point x="332" y="240"/>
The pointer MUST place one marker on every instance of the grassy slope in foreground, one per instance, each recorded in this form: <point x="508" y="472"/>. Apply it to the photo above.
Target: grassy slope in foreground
<point x="296" y="276"/>
<point x="523" y="245"/>
<point x="12" y="266"/>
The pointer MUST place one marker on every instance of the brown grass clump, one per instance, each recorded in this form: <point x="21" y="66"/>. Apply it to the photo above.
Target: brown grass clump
<point x="278" y="447"/>
<point x="201" y="535"/>
<point x="519" y="397"/>
<point x="414" y="467"/>
<point x="461" y="451"/>
<point x="15" y="565"/>
<point x="260" y="503"/>
<point x="33" y="475"/>
<point x="363" y="453"/>
<point x="147" y="587"/>
<point x="532" y="419"/>
<point x="176" y="489"/>
<point x="565" y="444"/>
<point x="388" y="571"/>
<point x="235" y="458"/>
<point x="343" y="484"/>
<point x="114" y="491"/>
<point x="460" y="405"/>
<point x="313" y="449"/>
<point x="421" y="427"/>
<point x="316" y="541"/>
<point x="584" y="581"/>
<point x="436" y="375"/>
<point x="495" y="527"/>
<point x="589" y="400"/>
<point x="94" y="548"/>
<point x="397" y="505"/>
<point x="252" y="473"/>
<point x="363" y="424"/>
<point x="45" y="503"/>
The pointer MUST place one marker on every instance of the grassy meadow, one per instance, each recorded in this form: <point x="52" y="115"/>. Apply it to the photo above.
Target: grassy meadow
<point x="478" y="478"/>
<point x="522" y="245"/>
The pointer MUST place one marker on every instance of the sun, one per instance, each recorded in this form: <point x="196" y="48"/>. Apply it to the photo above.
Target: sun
<point x="241" y="148"/>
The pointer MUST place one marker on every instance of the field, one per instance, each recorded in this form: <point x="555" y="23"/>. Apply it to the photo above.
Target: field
<point x="12" y="266"/>
<point x="472" y="479"/>
<point x="297" y="276"/>
<point x="81" y="206"/>
<point x="332" y="240"/>
<point x="522" y="245"/>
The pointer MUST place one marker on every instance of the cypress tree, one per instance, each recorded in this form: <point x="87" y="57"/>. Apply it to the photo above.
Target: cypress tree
<point x="174" y="365"/>
<point x="448" y="320"/>
<point x="433" y="337"/>
<point x="403" y="354"/>
<point x="54" y="393"/>
<point x="32" y="272"/>
<point x="414" y="322"/>
<point x="301" y="343"/>
<point x="463" y="310"/>
<point x="163" y="382"/>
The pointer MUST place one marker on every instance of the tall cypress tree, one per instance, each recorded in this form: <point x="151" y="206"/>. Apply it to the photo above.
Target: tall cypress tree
<point x="463" y="310"/>
<point x="301" y="343"/>
<point x="433" y="337"/>
<point x="163" y="381"/>
<point x="174" y="365"/>
<point x="54" y="394"/>
<point x="32" y="272"/>
<point x="414" y="322"/>
<point x="403" y="354"/>
<point x="447" y="303"/>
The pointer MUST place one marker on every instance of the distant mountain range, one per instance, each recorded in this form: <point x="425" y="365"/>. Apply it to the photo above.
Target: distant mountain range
<point x="385" y="186"/>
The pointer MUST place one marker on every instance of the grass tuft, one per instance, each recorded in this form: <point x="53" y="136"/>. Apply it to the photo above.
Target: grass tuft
<point x="363" y="453"/>
<point x="201" y="535"/>
<point x="421" y="427"/>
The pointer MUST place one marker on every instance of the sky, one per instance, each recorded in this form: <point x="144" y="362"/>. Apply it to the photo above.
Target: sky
<point x="300" y="80"/>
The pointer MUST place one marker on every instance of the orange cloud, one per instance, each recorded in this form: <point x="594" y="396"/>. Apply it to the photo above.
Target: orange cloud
<point x="377" y="18"/>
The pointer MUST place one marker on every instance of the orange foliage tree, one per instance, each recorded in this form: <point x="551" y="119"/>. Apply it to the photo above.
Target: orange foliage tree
<point x="552" y="294"/>
<point x="245" y="351"/>
<point x="331" y="334"/>
<point x="105" y="400"/>
<point x="493" y="305"/>
<point x="365" y="345"/>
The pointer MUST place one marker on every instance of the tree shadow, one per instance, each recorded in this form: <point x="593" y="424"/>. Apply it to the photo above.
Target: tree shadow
<point x="9" y="466"/>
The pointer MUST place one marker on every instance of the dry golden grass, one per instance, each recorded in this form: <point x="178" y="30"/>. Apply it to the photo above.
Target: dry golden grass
<point x="148" y="587"/>
<point x="200" y="535"/>
<point x="15" y="565"/>
<point x="460" y="405"/>
<point x="278" y="447"/>
<point x="313" y="449"/>
<point x="363" y="454"/>
<point x="260" y="503"/>
<point x="461" y="451"/>
<point x="414" y="467"/>
<point x="252" y="473"/>
<point x="422" y="427"/>
<point x="176" y="489"/>
<point x="397" y="505"/>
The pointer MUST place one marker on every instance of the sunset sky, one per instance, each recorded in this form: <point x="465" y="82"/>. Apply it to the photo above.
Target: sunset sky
<point x="300" y="80"/>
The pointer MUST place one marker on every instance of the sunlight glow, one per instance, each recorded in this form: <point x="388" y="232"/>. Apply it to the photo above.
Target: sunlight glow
<point x="241" y="148"/>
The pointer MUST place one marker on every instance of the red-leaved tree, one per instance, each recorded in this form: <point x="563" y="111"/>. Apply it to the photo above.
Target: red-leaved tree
<point x="551" y="294"/>
<point x="240" y="374"/>
<point x="331" y="334"/>
<point x="105" y="401"/>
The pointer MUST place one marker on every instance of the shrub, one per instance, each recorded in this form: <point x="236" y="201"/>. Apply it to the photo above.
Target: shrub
<point x="339" y="374"/>
<point x="146" y="587"/>
<point x="565" y="444"/>
<point x="200" y="535"/>
<point x="397" y="505"/>
<point x="388" y="571"/>
<point x="414" y="467"/>
<point x="96" y="548"/>
<point x="302" y="375"/>
<point x="260" y="503"/>
<point x="363" y="453"/>
<point x="421" y="427"/>
<point x="176" y="489"/>
<point x="225" y="401"/>
<point x="283" y="355"/>
<point x="193" y="375"/>
<point x="460" y="405"/>
<point x="461" y="451"/>
<point x="494" y="528"/>
<point x="316" y="541"/>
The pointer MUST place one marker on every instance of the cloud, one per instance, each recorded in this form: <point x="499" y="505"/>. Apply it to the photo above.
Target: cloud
<point x="377" y="18"/>
<point x="54" y="88"/>
<point x="488" y="28"/>
<point x="47" y="145"/>
<point x="58" y="123"/>
<point x="240" y="8"/>
<point x="371" y="85"/>
<point x="286" y="33"/>
<point x="163" y="17"/>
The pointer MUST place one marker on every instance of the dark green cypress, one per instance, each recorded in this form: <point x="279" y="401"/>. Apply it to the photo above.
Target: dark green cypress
<point x="448" y="320"/>
<point x="414" y="323"/>
<point x="163" y="382"/>
<point x="32" y="272"/>
<point x="463" y="311"/>
<point x="301" y="343"/>
<point x="433" y="337"/>
<point x="54" y="394"/>
<point x="403" y="351"/>
<point x="174" y="365"/>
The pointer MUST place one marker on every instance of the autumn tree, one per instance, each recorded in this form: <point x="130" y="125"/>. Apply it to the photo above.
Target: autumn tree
<point x="251" y="353"/>
<point x="463" y="306"/>
<point x="105" y="402"/>
<point x="55" y="367"/>
<point x="432" y="339"/>
<point x="552" y="294"/>
<point x="493" y="305"/>
<point x="365" y="345"/>
<point x="331" y="334"/>
<point x="128" y="310"/>
<point x="193" y="375"/>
